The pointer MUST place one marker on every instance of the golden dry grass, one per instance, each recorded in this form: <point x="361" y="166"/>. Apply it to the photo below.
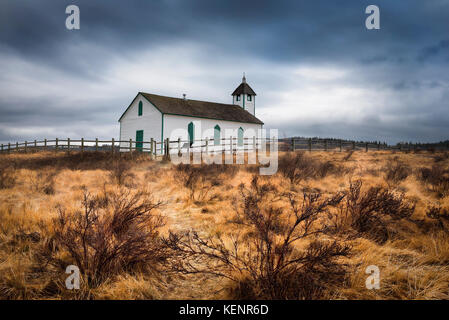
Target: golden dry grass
<point x="414" y="262"/>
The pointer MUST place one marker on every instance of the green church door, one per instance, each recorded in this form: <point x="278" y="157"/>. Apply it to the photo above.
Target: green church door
<point x="190" y="129"/>
<point x="139" y="140"/>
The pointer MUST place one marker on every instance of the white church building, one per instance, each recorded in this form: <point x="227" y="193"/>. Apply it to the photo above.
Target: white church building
<point x="156" y="117"/>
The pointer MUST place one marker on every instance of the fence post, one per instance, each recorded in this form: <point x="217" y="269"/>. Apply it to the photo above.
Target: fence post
<point x="325" y="145"/>
<point x="26" y="147"/>
<point x="179" y="146"/>
<point x="230" y="145"/>
<point x="151" y="148"/>
<point x="378" y="146"/>
<point x="35" y="145"/>
<point x="9" y="147"/>
<point x="293" y="144"/>
<point x="45" y="143"/>
<point x="113" y="146"/>
<point x="168" y="147"/>
<point x="2" y="147"/>
<point x="341" y="145"/>
<point x="353" y="145"/>
<point x="130" y="146"/>
<point x="56" y="144"/>
<point x="188" y="149"/>
<point x="82" y="146"/>
<point x="96" y="144"/>
<point x="310" y="144"/>
<point x="207" y="146"/>
<point x="366" y="147"/>
<point x="68" y="145"/>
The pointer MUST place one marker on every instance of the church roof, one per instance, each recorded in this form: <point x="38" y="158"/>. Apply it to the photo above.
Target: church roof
<point x="243" y="88"/>
<point x="200" y="109"/>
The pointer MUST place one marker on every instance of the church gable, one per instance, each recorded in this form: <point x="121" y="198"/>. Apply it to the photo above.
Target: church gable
<point x="139" y="108"/>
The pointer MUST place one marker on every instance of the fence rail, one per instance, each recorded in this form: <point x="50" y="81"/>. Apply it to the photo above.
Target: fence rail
<point x="210" y="146"/>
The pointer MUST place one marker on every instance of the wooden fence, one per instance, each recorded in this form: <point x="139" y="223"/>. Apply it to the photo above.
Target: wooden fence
<point x="330" y="145"/>
<point x="312" y="144"/>
<point x="152" y="147"/>
<point x="231" y="144"/>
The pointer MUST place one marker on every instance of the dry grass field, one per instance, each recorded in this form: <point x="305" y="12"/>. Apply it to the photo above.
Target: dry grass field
<point x="142" y="229"/>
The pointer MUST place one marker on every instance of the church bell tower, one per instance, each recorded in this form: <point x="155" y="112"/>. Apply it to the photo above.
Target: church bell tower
<point x="245" y="97"/>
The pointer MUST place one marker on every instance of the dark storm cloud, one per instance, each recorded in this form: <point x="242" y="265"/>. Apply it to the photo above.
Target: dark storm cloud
<point x="407" y="55"/>
<point x="287" y="30"/>
<point x="441" y="48"/>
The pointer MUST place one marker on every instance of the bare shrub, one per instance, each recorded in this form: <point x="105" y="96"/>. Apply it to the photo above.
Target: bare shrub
<point x="264" y="262"/>
<point x="295" y="167"/>
<point x="43" y="181"/>
<point x="325" y="168"/>
<point x="298" y="167"/>
<point x="368" y="212"/>
<point x="202" y="179"/>
<point x="396" y="171"/>
<point x="120" y="172"/>
<point x="88" y="160"/>
<point x="440" y="215"/>
<point x="7" y="176"/>
<point x="73" y="161"/>
<point x="104" y="238"/>
<point x="373" y="172"/>
<point x="436" y="178"/>
<point x="27" y="236"/>
<point x="443" y="156"/>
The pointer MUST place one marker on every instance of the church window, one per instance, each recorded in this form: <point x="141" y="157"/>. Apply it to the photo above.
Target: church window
<point x="240" y="137"/>
<point x="217" y="135"/>
<point x="140" y="112"/>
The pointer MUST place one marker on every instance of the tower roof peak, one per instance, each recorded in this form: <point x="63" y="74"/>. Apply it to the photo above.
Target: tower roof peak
<point x="243" y="88"/>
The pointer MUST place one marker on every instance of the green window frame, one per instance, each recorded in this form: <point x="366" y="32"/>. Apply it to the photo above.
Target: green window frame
<point x="240" y="137"/>
<point x="237" y="98"/>
<point x="140" y="112"/>
<point x="217" y="135"/>
<point x="250" y="98"/>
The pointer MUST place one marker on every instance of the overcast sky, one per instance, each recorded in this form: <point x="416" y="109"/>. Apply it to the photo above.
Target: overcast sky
<point x="316" y="69"/>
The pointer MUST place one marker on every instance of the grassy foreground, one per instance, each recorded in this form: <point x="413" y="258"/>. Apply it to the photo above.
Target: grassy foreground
<point x="142" y="229"/>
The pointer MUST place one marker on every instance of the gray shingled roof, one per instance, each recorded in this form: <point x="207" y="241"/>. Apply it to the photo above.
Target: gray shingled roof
<point x="201" y="109"/>
<point x="243" y="88"/>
